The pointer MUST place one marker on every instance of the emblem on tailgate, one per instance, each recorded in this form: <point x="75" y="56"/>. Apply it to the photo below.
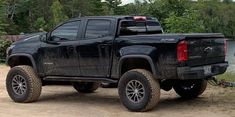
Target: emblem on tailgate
<point x="208" y="49"/>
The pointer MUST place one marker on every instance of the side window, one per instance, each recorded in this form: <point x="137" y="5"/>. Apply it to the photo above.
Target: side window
<point x="66" y="32"/>
<point x="97" y="28"/>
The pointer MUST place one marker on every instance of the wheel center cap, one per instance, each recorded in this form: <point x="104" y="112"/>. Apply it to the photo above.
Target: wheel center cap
<point x="136" y="91"/>
<point x="20" y="85"/>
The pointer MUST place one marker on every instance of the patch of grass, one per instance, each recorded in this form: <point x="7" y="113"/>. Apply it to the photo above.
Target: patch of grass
<point x="2" y="64"/>
<point x="2" y="61"/>
<point x="227" y="77"/>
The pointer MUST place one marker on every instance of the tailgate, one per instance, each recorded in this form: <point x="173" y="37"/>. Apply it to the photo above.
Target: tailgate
<point x="206" y="50"/>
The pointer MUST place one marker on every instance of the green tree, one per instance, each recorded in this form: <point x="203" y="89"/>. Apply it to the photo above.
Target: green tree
<point x="175" y="15"/>
<point x="227" y="1"/>
<point x="22" y="14"/>
<point x="40" y="24"/>
<point x="57" y="13"/>
<point x="2" y="13"/>
<point x="113" y="6"/>
<point x="187" y="23"/>
<point x="136" y="8"/>
<point x="96" y="7"/>
<point x="163" y="8"/>
<point x="218" y="17"/>
<point x="76" y="8"/>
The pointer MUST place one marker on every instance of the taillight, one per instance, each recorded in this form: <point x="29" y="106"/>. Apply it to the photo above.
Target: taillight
<point x="225" y="47"/>
<point x="182" y="51"/>
<point x="139" y="18"/>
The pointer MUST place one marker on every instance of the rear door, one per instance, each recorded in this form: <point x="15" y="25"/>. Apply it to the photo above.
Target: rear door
<point x="95" y="48"/>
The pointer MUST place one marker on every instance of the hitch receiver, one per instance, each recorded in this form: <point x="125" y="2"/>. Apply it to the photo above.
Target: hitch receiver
<point x="221" y="83"/>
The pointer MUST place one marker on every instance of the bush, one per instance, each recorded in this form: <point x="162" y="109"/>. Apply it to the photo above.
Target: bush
<point x="3" y="47"/>
<point x="228" y="76"/>
<point x="189" y="22"/>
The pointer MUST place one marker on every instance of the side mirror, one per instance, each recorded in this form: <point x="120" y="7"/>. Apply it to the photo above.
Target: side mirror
<point x="43" y="38"/>
<point x="46" y="39"/>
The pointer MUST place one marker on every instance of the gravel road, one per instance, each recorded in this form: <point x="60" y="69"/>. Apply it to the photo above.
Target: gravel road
<point x="64" y="101"/>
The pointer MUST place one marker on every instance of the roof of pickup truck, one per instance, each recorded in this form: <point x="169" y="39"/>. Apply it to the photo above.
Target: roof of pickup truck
<point x="111" y="17"/>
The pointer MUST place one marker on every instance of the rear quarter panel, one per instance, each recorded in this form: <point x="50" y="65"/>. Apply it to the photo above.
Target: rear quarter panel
<point x="154" y="47"/>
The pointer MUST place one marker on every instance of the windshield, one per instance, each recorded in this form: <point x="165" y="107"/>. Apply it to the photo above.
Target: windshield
<point x="140" y="27"/>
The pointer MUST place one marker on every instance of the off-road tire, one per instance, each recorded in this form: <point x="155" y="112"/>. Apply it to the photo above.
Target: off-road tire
<point x="34" y="84"/>
<point x="197" y="88"/>
<point x="86" y="87"/>
<point x="151" y="87"/>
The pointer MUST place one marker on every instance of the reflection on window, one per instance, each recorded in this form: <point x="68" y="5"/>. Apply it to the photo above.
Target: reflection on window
<point x="67" y="31"/>
<point x="135" y="28"/>
<point x="97" y="28"/>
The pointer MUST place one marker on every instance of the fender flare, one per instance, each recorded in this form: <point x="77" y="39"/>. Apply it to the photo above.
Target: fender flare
<point x="24" y="55"/>
<point x="148" y="58"/>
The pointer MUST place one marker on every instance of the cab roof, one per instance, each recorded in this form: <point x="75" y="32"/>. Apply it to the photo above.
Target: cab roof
<point x="112" y="17"/>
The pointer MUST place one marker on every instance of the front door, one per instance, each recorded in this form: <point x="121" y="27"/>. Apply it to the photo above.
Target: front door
<point x="58" y="56"/>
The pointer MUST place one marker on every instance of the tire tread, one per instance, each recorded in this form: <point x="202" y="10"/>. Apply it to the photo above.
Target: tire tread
<point x="34" y="83"/>
<point x="154" y="87"/>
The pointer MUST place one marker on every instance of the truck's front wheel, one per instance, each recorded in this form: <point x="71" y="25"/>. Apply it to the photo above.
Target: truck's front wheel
<point x="190" y="88"/>
<point x="139" y="90"/>
<point x="23" y="85"/>
<point x="86" y="87"/>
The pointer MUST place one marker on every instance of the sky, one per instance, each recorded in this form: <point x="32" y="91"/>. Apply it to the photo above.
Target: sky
<point x="127" y="1"/>
<point x="131" y="1"/>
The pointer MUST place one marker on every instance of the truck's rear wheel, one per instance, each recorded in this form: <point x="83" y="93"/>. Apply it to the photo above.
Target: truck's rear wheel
<point x="139" y="90"/>
<point x="190" y="88"/>
<point x="86" y="87"/>
<point x="23" y="85"/>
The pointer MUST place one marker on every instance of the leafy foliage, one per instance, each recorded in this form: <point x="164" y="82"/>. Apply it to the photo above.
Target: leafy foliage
<point x="176" y="16"/>
<point x="2" y="2"/>
<point x="40" y="24"/>
<point x="113" y="6"/>
<point x="57" y="13"/>
<point x="163" y="8"/>
<point x="3" y="47"/>
<point x="218" y="17"/>
<point x="189" y="22"/>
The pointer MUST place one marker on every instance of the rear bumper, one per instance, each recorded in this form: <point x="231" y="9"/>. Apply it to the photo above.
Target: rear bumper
<point x="199" y="73"/>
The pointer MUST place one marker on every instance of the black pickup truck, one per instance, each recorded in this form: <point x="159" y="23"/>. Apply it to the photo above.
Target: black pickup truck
<point x="131" y="51"/>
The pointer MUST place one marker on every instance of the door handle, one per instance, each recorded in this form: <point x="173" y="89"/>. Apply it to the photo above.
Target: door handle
<point x="70" y="49"/>
<point x="102" y="46"/>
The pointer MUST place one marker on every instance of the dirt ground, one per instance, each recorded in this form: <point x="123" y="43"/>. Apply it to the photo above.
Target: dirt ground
<point x="64" y="101"/>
